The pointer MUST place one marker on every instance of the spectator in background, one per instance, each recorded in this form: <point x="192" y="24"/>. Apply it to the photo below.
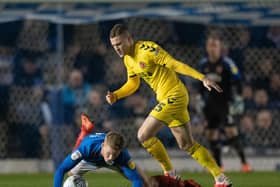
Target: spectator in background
<point x="6" y="78"/>
<point x="261" y="100"/>
<point x="113" y="75"/>
<point x="274" y="90"/>
<point x="96" y="106"/>
<point x="237" y="53"/>
<point x="247" y="128"/>
<point x="273" y="35"/>
<point x="28" y="73"/>
<point x="261" y="81"/>
<point x="75" y="95"/>
<point x="5" y="83"/>
<point x="66" y="105"/>
<point x="91" y="64"/>
<point x="266" y="132"/>
<point x="248" y="96"/>
<point x="25" y="109"/>
<point x="109" y="125"/>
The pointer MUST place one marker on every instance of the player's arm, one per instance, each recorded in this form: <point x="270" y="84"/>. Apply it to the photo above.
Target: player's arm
<point x="163" y="58"/>
<point x="149" y="181"/>
<point x="131" y="85"/>
<point x="137" y="176"/>
<point x="131" y="172"/>
<point x="233" y="69"/>
<point x="234" y="74"/>
<point x="69" y="162"/>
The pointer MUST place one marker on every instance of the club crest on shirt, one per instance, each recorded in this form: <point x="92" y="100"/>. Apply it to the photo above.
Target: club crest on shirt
<point x="131" y="164"/>
<point x="76" y="155"/>
<point x="142" y="65"/>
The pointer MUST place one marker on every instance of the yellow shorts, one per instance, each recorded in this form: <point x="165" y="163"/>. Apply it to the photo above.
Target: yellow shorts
<point x="172" y="111"/>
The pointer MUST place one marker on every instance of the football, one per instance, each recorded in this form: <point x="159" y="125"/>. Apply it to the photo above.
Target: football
<point x="75" y="181"/>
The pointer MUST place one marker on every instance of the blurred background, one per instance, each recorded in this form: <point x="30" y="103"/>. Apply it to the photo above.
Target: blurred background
<point x="56" y="62"/>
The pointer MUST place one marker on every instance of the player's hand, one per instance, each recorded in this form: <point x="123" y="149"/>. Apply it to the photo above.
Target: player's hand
<point x="211" y="84"/>
<point x="111" y="98"/>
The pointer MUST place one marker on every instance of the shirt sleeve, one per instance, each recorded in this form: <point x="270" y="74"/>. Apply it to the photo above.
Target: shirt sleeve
<point x="162" y="57"/>
<point x="131" y="85"/>
<point x="234" y="74"/>
<point x="129" y="169"/>
<point x="133" y="176"/>
<point x="69" y="162"/>
<point x="233" y="69"/>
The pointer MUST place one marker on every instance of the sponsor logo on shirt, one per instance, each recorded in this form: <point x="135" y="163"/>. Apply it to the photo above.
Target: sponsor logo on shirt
<point x="76" y="155"/>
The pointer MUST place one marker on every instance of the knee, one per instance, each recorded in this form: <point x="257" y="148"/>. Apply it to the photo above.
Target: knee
<point x="141" y="136"/>
<point x="185" y="146"/>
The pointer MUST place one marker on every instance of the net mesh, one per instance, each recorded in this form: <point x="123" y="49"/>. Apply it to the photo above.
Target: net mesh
<point x="43" y="92"/>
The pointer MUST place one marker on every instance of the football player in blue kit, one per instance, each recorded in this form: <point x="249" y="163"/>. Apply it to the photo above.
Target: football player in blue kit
<point x="102" y="150"/>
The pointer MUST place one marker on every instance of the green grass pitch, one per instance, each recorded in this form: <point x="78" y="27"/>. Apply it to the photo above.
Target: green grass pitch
<point x="254" y="179"/>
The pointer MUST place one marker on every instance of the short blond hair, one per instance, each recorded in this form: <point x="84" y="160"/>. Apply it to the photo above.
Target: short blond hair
<point x="118" y="30"/>
<point x="115" y="140"/>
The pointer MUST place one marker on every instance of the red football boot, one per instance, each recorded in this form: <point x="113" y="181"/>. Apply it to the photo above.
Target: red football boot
<point x="246" y="168"/>
<point x="87" y="127"/>
<point x="223" y="181"/>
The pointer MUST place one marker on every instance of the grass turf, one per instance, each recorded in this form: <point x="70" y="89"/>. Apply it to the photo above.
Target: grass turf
<point x="254" y="179"/>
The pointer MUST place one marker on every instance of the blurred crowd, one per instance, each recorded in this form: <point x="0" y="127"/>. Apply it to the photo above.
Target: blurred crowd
<point x="45" y="85"/>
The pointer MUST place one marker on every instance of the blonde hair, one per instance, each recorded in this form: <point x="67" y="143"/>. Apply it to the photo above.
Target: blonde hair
<point x="115" y="140"/>
<point x="118" y="30"/>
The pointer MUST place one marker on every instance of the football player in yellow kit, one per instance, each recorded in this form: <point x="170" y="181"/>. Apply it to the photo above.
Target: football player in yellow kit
<point x="159" y="69"/>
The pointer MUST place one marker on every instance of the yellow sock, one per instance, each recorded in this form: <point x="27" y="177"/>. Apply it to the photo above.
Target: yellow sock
<point x="204" y="158"/>
<point x="157" y="150"/>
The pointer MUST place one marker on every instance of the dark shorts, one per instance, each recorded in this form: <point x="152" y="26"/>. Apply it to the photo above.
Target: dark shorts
<point x="218" y="116"/>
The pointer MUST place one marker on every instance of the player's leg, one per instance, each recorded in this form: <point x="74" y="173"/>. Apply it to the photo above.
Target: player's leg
<point x="212" y="136"/>
<point x="212" y="132"/>
<point x="146" y="136"/>
<point x="198" y="152"/>
<point x="186" y="142"/>
<point x="234" y="140"/>
<point x="181" y="129"/>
